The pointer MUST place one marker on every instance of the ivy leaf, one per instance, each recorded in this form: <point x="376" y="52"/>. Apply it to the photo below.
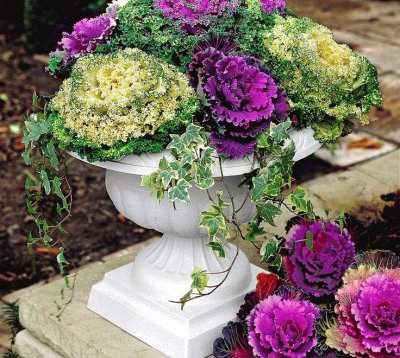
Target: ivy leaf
<point x="176" y="143"/>
<point x="259" y="184"/>
<point x="277" y="262"/>
<point x="187" y="156"/>
<point x="254" y="230"/>
<point x="204" y="179"/>
<point x="180" y="192"/>
<point x="192" y="135"/>
<point x="163" y="164"/>
<point x="62" y="261"/>
<point x="213" y="221"/>
<point x="299" y="199"/>
<point x="342" y="220"/>
<point x="185" y="298"/>
<point x="268" y="211"/>
<point x="56" y="186"/>
<point x="264" y="141"/>
<point x="310" y="240"/>
<point x="199" y="279"/>
<point x="207" y="157"/>
<point x="36" y="130"/>
<point x="269" y="249"/>
<point x="26" y="155"/>
<point x="278" y="132"/>
<point x="182" y="171"/>
<point x="217" y="247"/>
<point x="166" y="177"/>
<point x="45" y="180"/>
<point x="50" y="152"/>
<point x="274" y="188"/>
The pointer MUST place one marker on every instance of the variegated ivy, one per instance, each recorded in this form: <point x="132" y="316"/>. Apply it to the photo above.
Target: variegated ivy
<point x="193" y="163"/>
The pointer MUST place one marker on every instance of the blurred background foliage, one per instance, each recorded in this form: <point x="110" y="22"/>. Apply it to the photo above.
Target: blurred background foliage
<point x="34" y="18"/>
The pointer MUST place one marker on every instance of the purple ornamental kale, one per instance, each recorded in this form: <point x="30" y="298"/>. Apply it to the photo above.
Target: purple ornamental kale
<point x="87" y="34"/>
<point x="272" y="5"/>
<point x="318" y="271"/>
<point x="194" y="14"/>
<point x="233" y="344"/>
<point x="243" y="99"/>
<point x="377" y="313"/>
<point x="282" y="327"/>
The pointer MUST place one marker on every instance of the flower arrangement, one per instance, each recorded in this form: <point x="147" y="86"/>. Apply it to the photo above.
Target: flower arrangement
<point x="210" y="80"/>
<point x="287" y="322"/>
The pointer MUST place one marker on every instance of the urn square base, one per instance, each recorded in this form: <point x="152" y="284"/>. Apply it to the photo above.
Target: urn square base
<point x="179" y="334"/>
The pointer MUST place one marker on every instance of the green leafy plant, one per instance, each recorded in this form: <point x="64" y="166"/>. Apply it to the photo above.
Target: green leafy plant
<point x="50" y="179"/>
<point x="194" y="164"/>
<point x="9" y="313"/>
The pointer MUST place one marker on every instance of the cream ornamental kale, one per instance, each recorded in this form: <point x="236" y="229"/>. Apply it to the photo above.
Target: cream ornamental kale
<point x="146" y="94"/>
<point x="328" y="85"/>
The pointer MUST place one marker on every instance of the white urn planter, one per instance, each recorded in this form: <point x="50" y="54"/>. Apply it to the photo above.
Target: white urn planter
<point x="136" y="297"/>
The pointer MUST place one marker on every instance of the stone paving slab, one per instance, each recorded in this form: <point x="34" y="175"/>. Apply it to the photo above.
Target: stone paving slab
<point x="80" y="332"/>
<point x="353" y="150"/>
<point x="28" y="345"/>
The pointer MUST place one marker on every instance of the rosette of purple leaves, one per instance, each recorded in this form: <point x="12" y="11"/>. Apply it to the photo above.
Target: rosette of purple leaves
<point x="270" y="6"/>
<point x="233" y="343"/>
<point x="318" y="270"/>
<point x="243" y="98"/>
<point x="87" y="34"/>
<point x="193" y="15"/>
<point x="283" y="325"/>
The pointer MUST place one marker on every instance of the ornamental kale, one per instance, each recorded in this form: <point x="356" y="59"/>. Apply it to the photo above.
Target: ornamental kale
<point x="233" y="343"/>
<point x="282" y="326"/>
<point x="87" y="34"/>
<point x="317" y="267"/>
<point x="270" y="6"/>
<point x="328" y="85"/>
<point x="146" y="94"/>
<point x="195" y="15"/>
<point x="368" y="308"/>
<point x="243" y="99"/>
<point x="143" y="26"/>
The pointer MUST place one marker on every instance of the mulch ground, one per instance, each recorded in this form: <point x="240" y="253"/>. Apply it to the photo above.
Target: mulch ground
<point x="95" y="228"/>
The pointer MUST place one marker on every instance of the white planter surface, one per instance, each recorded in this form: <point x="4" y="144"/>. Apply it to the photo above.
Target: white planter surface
<point x="136" y="297"/>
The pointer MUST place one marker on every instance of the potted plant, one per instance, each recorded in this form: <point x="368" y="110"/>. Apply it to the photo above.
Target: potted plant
<point x="197" y="110"/>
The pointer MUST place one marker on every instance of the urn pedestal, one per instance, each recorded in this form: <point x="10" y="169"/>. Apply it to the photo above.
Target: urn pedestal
<point x="137" y="297"/>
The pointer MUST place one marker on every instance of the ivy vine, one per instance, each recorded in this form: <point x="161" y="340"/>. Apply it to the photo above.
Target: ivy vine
<point x="49" y="179"/>
<point x="193" y="164"/>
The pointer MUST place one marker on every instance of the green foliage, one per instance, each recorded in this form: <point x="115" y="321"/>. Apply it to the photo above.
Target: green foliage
<point x="217" y="225"/>
<point x="70" y="141"/>
<point x="251" y="24"/>
<point x="143" y="27"/>
<point x="275" y="153"/>
<point x="299" y="199"/>
<point x="192" y="164"/>
<point x="199" y="283"/>
<point x="43" y="153"/>
<point x="199" y="279"/>
<point x="38" y="138"/>
<point x="270" y="252"/>
<point x="10" y="315"/>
